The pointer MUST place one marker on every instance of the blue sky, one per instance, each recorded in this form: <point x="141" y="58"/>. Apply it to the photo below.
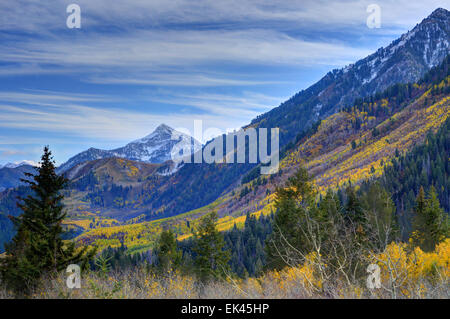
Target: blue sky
<point x="135" y="64"/>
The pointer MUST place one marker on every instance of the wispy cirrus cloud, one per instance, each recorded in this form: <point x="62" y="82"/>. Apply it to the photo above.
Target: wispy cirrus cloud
<point x="6" y="153"/>
<point x="110" y="125"/>
<point x="150" y="39"/>
<point x="189" y="80"/>
<point x="159" y="50"/>
<point x="138" y="63"/>
<point x="249" y="104"/>
<point x="36" y="15"/>
<point x="65" y="114"/>
<point x="44" y="97"/>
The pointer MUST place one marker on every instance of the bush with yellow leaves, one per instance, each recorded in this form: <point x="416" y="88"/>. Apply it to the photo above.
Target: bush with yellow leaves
<point x="405" y="272"/>
<point x="409" y="272"/>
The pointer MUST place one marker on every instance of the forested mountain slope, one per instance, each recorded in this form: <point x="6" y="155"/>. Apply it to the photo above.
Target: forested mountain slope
<point x="354" y="141"/>
<point x="424" y="166"/>
<point x="362" y="142"/>
<point x="10" y="176"/>
<point x="405" y="60"/>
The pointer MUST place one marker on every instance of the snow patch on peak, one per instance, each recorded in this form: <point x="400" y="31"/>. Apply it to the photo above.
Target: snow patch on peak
<point x="162" y="129"/>
<point x="163" y="144"/>
<point x="21" y="163"/>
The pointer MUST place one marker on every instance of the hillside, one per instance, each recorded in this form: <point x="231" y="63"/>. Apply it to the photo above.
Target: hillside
<point x="357" y="144"/>
<point x="163" y="144"/>
<point x="10" y="176"/>
<point x="114" y="187"/>
<point x="369" y="114"/>
<point x="405" y="60"/>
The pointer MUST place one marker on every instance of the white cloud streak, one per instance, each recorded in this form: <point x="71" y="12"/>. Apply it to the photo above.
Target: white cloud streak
<point x="151" y="39"/>
<point x="178" y="43"/>
<point x="186" y="80"/>
<point x="63" y="114"/>
<point x="32" y="15"/>
<point x="159" y="49"/>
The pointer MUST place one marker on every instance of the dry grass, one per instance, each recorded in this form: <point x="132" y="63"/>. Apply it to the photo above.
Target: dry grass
<point x="288" y="284"/>
<point x="404" y="273"/>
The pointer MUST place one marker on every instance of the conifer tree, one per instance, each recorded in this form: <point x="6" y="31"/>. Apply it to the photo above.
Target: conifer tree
<point x="169" y="257"/>
<point x="295" y="205"/>
<point x="330" y="215"/>
<point x="38" y="247"/>
<point x="330" y="207"/>
<point x="353" y="208"/>
<point x="381" y="222"/>
<point x="211" y="260"/>
<point x="430" y="223"/>
<point x="355" y="218"/>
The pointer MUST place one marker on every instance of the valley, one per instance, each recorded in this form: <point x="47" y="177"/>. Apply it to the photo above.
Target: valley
<point x="345" y="129"/>
<point x="352" y="146"/>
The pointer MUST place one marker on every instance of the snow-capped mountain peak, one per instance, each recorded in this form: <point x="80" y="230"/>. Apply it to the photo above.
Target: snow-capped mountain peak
<point x="405" y="60"/>
<point x="161" y="130"/>
<point x="163" y="144"/>
<point x="21" y="163"/>
<point x="157" y="147"/>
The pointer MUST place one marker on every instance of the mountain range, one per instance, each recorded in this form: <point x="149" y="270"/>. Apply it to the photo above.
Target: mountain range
<point x="10" y="175"/>
<point x="398" y="137"/>
<point x="163" y="144"/>
<point x="21" y="163"/>
<point x="405" y="60"/>
<point x="345" y="128"/>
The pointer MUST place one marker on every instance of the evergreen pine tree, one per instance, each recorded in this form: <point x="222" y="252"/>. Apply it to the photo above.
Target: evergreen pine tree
<point x="38" y="247"/>
<point x="330" y="214"/>
<point x="296" y="205"/>
<point x="330" y="207"/>
<point x="381" y="221"/>
<point x="354" y="210"/>
<point x="355" y="217"/>
<point x="211" y="260"/>
<point x="169" y="257"/>
<point x="430" y="223"/>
